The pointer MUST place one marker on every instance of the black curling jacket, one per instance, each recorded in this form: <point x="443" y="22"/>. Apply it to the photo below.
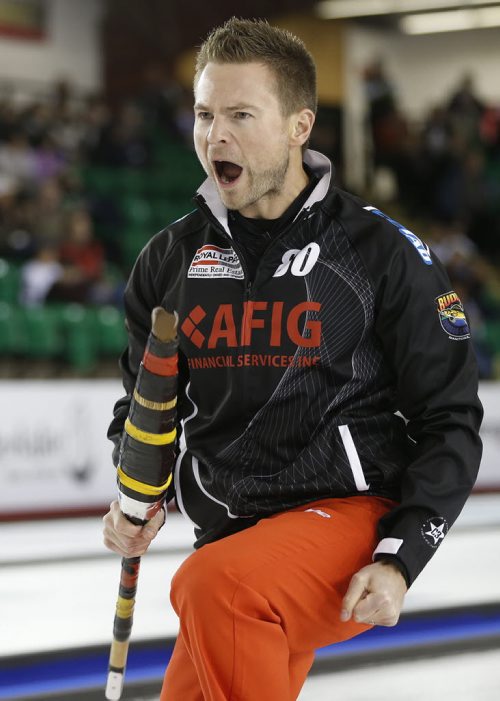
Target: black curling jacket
<point x="345" y="368"/>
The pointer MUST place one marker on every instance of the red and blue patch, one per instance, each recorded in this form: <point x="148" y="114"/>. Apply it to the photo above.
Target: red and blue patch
<point x="452" y="316"/>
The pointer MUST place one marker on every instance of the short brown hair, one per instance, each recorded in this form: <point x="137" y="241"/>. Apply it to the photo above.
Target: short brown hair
<point x="256" y="41"/>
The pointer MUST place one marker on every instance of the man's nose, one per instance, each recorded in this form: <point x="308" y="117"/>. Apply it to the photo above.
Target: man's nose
<point x="218" y="132"/>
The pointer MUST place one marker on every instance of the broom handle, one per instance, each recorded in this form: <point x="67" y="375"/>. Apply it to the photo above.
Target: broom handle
<point x="164" y="330"/>
<point x="122" y="626"/>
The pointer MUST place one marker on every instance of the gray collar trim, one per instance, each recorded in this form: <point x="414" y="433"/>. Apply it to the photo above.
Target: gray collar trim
<point x="318" y="163"/>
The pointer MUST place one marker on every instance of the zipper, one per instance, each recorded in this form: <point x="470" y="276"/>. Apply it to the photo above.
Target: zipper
<point x="248" y="290"/>
<point x="213" y="220"/>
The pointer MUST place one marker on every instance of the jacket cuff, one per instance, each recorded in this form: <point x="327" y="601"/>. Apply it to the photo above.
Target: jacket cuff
<point x="412" y="560"/>
<point x="386" y="551"/>
<point x="399" y="564"/>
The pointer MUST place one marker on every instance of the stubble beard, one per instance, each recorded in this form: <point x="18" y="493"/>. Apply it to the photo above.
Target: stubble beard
<point x="268" y="183"/>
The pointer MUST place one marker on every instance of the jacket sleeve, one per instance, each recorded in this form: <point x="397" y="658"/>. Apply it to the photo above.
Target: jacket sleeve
<point x="426" y="342"/>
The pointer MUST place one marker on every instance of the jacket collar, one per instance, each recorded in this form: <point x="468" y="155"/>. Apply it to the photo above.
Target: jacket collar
<point x="318" y="163"/>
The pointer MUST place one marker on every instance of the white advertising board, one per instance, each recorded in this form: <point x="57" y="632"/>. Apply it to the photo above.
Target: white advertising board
<point x="54" y="453"/>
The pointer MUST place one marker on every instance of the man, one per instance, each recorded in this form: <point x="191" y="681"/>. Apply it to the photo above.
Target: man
<point x="307" y="319"/>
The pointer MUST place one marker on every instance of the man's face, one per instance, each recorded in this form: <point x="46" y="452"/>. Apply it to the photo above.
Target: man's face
<point x="240" y="134"/>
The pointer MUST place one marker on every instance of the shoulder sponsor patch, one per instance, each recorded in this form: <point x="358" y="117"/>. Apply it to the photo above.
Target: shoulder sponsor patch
<point x="421" y="248"/>
<point x="214" y="262"/>
<point x="452" y="316"/>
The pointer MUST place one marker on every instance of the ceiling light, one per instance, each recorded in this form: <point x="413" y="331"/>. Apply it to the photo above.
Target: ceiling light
<point x="452" y="21"/>
<point x="335" y="9"/>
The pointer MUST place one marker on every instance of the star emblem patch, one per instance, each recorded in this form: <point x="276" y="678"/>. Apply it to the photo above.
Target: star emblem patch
<point x="434" y="530"/>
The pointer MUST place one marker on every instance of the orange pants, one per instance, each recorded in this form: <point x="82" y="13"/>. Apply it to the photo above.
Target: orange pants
<point x="254" y="606"/>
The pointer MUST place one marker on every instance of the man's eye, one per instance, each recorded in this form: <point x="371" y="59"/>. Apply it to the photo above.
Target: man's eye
<point x="242" y="115"/>
<point x="203" y="115"/>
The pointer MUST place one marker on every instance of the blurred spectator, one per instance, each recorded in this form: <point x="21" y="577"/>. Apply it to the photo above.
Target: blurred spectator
<point x="447" y="170"/>
<point x="80" y="247"/>
<point x="448" y="242"/>
<point x="67" y="135"/>
<point x="9" y="120"/>
<point x="96" y="120"/>
<point x="490" y="130"/>
<point x="161" y="100"/>
<point x="184" y="118"/>
<point x="49" y="212"/>
<point x="39" y="275"/>
<point x="477" y="324"/>
<point x="391" y="140"/>
<point x="17" y="221"/>
<point x="49" y="161"/>
<point x="124" y="142"/>
<point x="46" y="279"/>
<point x="385" y="122"/>
<point x="37" y="121"/>
<point x="464" y="102"/>
<point x="17" y="159"/>
<point x="71" y="286"/>
<point x="436" y="134"/>
<point x="63" y="96"/>
<point x="83" y="253"/>
<point x="379" y="93"/>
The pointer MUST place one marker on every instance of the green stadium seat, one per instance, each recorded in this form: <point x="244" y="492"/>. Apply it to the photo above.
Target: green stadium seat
<point x="133" y="181"/>
<point x="101" y="180"/>
<point x="11" y="331"/>
<point x="41" y="332"/>
<point x="137" y="210"/>
<point x="111" y="335"/>
<point x="133" y="240"/>
<point x="10" y="281"/>
<point x="80" y="343"/>
<point x="166" y="211"/>
<point x="179" y="179"/>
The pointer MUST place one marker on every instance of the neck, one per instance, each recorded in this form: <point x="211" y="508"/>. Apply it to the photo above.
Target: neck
<point x="274" y="205"/>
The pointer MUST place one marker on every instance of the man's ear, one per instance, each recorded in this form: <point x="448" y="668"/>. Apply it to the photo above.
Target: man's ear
<point x="301" y="126"/>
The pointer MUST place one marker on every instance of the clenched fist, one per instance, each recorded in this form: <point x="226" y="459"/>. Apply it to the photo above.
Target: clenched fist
<point x="375" y="595"/>
<point x="126" y="539"/>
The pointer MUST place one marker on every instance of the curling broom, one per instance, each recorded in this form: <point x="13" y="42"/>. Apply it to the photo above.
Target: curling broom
<point x="144" y="469"/>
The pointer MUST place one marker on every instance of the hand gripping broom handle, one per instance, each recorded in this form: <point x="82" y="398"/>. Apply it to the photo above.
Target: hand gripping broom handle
<point x="144" y="470"/>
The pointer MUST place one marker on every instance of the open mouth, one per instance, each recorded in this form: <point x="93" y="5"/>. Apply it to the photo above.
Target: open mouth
<point x="227" y="172"/>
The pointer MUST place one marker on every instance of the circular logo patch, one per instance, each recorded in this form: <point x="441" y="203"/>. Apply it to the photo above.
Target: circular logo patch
<point x="434" y="530"/>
